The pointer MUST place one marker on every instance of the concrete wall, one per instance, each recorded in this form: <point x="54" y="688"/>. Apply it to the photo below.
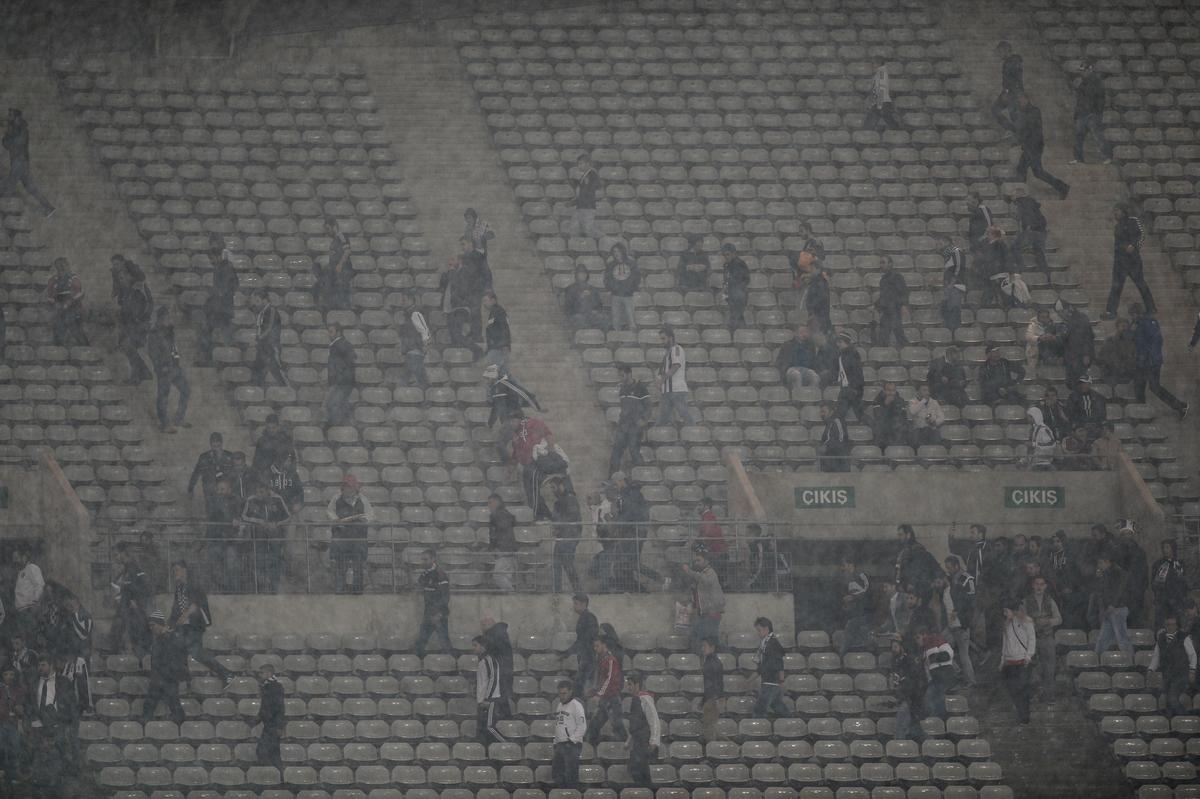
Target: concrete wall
<point x="543" y="614"/>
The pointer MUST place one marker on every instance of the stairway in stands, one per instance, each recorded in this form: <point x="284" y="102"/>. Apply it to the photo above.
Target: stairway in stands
<point x="90" y="225"/>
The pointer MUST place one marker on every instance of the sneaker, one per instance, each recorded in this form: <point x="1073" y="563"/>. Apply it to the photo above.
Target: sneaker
<point x="1108" y="315"/>
<point x="1184" y="412"/>
<point x="228" y="680"/>
<point x="1074" y="161"/>
<point x="1106" y="161"/>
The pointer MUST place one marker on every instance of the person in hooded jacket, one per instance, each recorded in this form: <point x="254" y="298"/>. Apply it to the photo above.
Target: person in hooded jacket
<point x="497" y="336"/>
<point x="622" y="278"/>
<point x="499" y="645"/>
<point x="1168" y="582"/>
<point x="735" y="284"/>
<point x="1148" y="348"/>
<point x="914" y="565"/>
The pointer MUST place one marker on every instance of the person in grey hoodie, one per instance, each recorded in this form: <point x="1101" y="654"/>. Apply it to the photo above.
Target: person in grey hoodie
<point x="622" y="278"/>
<point x="707" y="597"/>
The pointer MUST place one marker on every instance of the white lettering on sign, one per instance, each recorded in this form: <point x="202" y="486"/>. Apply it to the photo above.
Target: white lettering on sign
<point x="824" y="496"/>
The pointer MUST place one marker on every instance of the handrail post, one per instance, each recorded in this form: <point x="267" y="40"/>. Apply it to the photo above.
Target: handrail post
<point x="307" y="562"/>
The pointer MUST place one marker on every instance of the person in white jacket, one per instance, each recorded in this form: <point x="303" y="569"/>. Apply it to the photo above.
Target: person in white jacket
<point x="570" y="724"/>
<point x="28" y="590"/>
<point x="1017" y="651"/>
<point x="926" y="416"/>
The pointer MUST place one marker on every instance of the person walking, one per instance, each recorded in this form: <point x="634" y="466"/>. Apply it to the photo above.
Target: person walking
<point x="713" y="675"/>
<point x="850" y="378"/>
<point x="168" y="668"/>
<point x="708" y="598"/>
<point x="331" y="287"/>
<point x="634" y="399"/>
<point x="351" y="512"/>
<point x="1148" y="357"/>
<point x="1174" y="657"/>
<point x="1041" y="607"/>
<point x="585" y="185"/>
<point x="1018" y="649"/>
<point x="190" y="617"/>
<point x="587" y="630"/>
<point x="1110" y="604"/>
<point x="879" y="102"/>
<point x="499" y="645"/>
<point x="1033" y="144"/>
<point x="608" y="694"/>
<point x="435" y="610"/>
<point x="478" y="231"/>
<point x="938" y="655"/>
<point x="272" y="717"/>
<point x="908" y="681"/>
<point x="497" y="335"/>
<point x="457" y="287"/>
<point x="1090" y="102"/>
<point x="735" y="284"/>
<point x="672" y="381"/>
<point x="979" y="222"/>
<point x="1012" y="86"/>
<point x="168" y="372"/>
<point x="768" y="660"/>
<point x="415" y="339"/>
<point x="16" y="141"/>
<point x="217" y="311"/>
<point x="487" y="695"/>
<point x="1128" y="236"/>
<point x="268" y="331"/>
<point x="135" y="307"/>
<point x="568" y="530"/>
<point x="64" y="292"/>
<point x="132" y="595"/>
<point x="1031" y="225"/>
<point x="570" y="725"/>
<point x="893" y="296"/>
<point x="958" y="602"/>
<point x="502" y="542"/>
<point x="264" y="515"/>
<point x="856" y="609"/>
<point x="1168" y="583"/>
<point x="835" y="442"/>
<point x="622" y="277"/>
<point x="340" y="377"/>
<point x="954" y="284"/>
<point x="645" y="730"/>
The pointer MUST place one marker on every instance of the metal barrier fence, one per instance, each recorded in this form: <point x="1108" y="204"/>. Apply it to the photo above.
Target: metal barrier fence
<point x="845" y="463"/>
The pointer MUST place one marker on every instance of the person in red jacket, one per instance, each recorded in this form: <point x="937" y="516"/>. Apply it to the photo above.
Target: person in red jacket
<point x="527" y="434"/>
<point x="608" y="692"/>
<point x="712" y="538"/>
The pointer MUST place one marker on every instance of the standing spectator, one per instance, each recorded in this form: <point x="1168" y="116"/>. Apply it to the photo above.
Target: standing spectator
<point x="527" y="435"/>
<point x="1087" y="408"/>
<point x="1031" y="225"/>
<point x="64" y="292"/>
<point x="954" y="284"/>
<point x="264" y="515"/>
<point x="503" y="543"/>
<point x="1118" y="354"/>
<point x="168" y="668"/>
<point x="796" y="360"/>
<point x="218" y="305"/>
<point x="914" y="566"/>
<point x="135" y="305"/>
<point x="284" y="480"/>
<point x="622" y="278"/>
<point x="268" y="331"/>
<point x="708" y="598"/>
<point x="979" y="222"/>
<point x="12" y="710"/>
<point x="499" y="645"/>
<point x="1148" y="341"/>
<point x="907" y="680"/>
<point x="1174" y="657"/>
<point x="190" y="617"/>
<point x="856" y="607"/>
<point x="893" y="296"/>
<point x="478" y="278"/>
<point x="497" y="336"/>
<point x="16" y="141"/>
<point x="331" y="290"/>
<point x="712" y="539"/>
<point x="1000" y="379"/>
<point x="1043" y="444"/>
<point x="340" y="377"/>
<point x="1061" y="569"/>
<point x="585" y="182"/>
<point x="835" y="442"/>
<point x="487" y="695"/>
<point x="52" y="716"/>
<point x="76" y="653"/>
<point x="132" y="595"/>
<point x="1168" y="582"/>
<point x="947" y="378"/>
<point x="608" y="694"/>
<point x="570" y="725"/>
<point x="735" y="284"/>
<point x="211" y="467"/>
<point x="768" y="661"/>
<point x="550" y="465"/>
<point x="507" y="399"/>
<point x="849" y="376"/>
<point x="713" y="674"/>
<point x="351" y="512"/>
<point x="879" y="102"/>
<point x="1090" y="101"/>
<point x="568" y="530"/>
<point x="645" y="731"/>
<point x="993" y="265"/>
<point x="435" y="610"/>
<point x="631" y="424"/>
<point x="274" y="445"/>
<point x="28" y="592"/>
<point x="415" y="339"/>
<point x="478" y="231"/>
<point x="1110" y="604"/>
<point x="457" y="288"/>
<point x="587" y="630"/>
<point x="1079" y="343"/>
<point x="818" y="299"/>
<point x="582" y="304"/>
<point x="889" y="418"/>
<point x="693" y="265"/>
<point x="1012" y="85"/>
<point x="272" y="717"/>
<point x="939" y="670"/>
<point x="168" y="372"/>
<point x="1128" y="235"/>
<point x="958" y="601"/>
<point x="926" y="416"/>
<point x="1043" y="610"/>
<point x="1017" y="653"/>
<point x="1132" y="559"/>
<point x="1033" y="143"/>
<point x="672" y="381"/>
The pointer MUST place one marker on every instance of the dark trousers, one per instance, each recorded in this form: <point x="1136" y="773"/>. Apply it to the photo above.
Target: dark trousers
<point x="459" y="326"/>
<point x="210" y="325"/>
<point x="162" y="396"/>
<point x="68" y="328"/>
<point x="1093" y="123"/>
<point x="1016" y="683"/>
<point x="348" y="555"/>
<point x="1036" y="241"/>
<point x="639" y="764"/>
<point x="131" y="621"/>
<point x="586" y="671"/>
<point x="951" y="308"/>
<point x="266" y="751"/>
<point x="266" y="359"/>
<point x="487" y="714"/>
<point x="337" y="405"/>
<point x="885" y="113"/>
<point x="849" y="399"/>
<point x="1033" y="161"/>
<point x="564" y="563"/>
<point x="163" y="691"/>
<point x="1152" y="375"/>
<point x="628" y="442"/>
<point x="194" y="639"/>
<point x="770" y="700"/>
<point x="737" y="308"/>
<point x="268" y="564"/>
<point x="431" y="624"/>
<point x="19" y="172"/>
<point x="890" y="325"/>
<point x="1175" y="685"/>
<point x="1004" y="110"/>
<point x="130" y="341"/>
<point x="565" y="765"/>
<point x="1128" y="266"/>
<point x="609" y="709"/>
<point x="414" y="369"/>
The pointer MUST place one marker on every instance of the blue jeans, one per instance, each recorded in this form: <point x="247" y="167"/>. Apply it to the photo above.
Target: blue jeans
<point x="1093" y="123"/>
<point x="770" y="699"/>
<point x="908" y="726"/>
<point x="704" y="627"/>
<point x="19" y="173"/>
<point x="564" y="561"/>
<point x="337" y="405"/>
<point x="1113" y="627"/>
<point x="674" y="402"/>
<point x="163" y="394"/>
<point x="935" y="693"/>
<point x="622" y="313"/>
<point x="855" y="636"/>
<point x="414" y="369"/>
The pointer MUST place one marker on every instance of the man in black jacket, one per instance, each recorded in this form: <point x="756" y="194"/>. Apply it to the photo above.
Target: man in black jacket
<point x="1087" y="409"/>
<point x="587" y="630"/>
<point x="1110" y="605"/>
<point x="1031" y="224"/>
<point x="135" y="306"/>
<point x="568" y="530"/>
<point x="190" y="617"/>
<point x="1079" y="343"/>
<point x="713" y="674"/>
<point x="893" y="296"/>
<point x="645" y="730"/>
<point x="1175" y="658"/>
<point x="268" y="332"/>
<point x="168" y="371"/>
<point x="168" y="667"/>
<point x="1090" y="101"/>
<point x="1033" y="143"/>
<point x="499" y="645"/>
<point x="497" y="336"/>
<point x="435" y="612"/>
<point x="1012" y="85"/>
<point x="133" y="594"/>
<point x="582" y="304"/>
<point x="218" y="306"/>
<point x="835" y="441"/>
<point x="1000" y="379"/>
<point x="797" y="360"/>
<point x="51" y="715"/>
<point x="735" y="284"/>
<point x="16" y="141"/>
<point x="503" y="543"/>
<point x="213" y="465"/>
<point x="817" y="300"/>
<point x="263" y="514"/>
<point x="340" y="375"/>
<point x="631" y="424"/>
<point x="457" y="286"/>
<point x="274" y="443"/>
<point x="848" y="374"/>
<point x="1128" y="235"/>
<point x="947" y="378"/>
<point x="585" y="183"/>
<point x="271" y="716"/>
<point x="769" y="666"/>
<point x="908" y="681"/>
<point x="978" y="222"/>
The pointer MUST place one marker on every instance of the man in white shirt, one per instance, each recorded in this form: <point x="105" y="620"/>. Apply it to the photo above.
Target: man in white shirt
<point x="926" y="416"/>
<point x="27" y="593"/>
<point x="570" y="724"/>
<point x="672" y="381"/>
<point x="1017" y="651"/>
<point x="879" y="101"/>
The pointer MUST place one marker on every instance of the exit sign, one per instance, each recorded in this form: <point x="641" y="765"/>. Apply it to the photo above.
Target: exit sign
<point x="825" y="497"/>
<point x="1035" y="497"/>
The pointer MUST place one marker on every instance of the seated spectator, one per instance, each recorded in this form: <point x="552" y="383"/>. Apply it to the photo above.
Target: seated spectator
<point x="1087" y="409"/>
<point x="583" y="305"/>
<point x="1118" y="355"/>
<point x="1042" y="442"/>
<point x="926" y="416"/>
<point x="1000" y="378"/>
<point x="1054" y="413"/>
<point x="947" y="378"/>
<point x="797" y="360"/>
<point x="1077" y="447"/>
<point x="1043" y="339"/>
<point x="889" y="418"/>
